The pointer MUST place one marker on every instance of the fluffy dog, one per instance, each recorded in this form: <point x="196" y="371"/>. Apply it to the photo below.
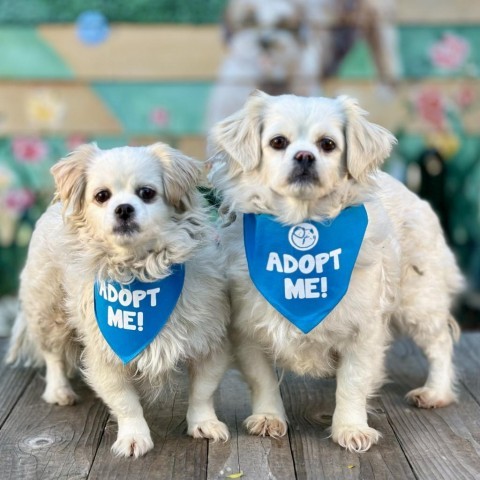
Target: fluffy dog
<point x="125" y="214"/>
<point x="301" y="160"/>
<point x="268" y="48"/>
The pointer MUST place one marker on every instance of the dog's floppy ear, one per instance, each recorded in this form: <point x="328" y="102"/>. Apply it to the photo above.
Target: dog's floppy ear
<point x="180" y="173"/>
<point x="237" y="137"/>
<point x="367" y="144"/>
<point x="70" y="175"/>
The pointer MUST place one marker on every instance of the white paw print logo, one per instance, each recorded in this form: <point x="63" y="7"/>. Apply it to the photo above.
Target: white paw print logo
<point x="303" y="236"/>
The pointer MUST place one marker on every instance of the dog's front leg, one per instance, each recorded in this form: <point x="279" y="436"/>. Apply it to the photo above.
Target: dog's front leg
<point x="359" y="373"/>
<point x="112" y="384"/>
<point x="268" y="414"/>
<point x="205" y="376"/>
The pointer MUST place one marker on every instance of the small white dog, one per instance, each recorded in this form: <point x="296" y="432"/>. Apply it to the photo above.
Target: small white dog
<point x="301" y="165"/>
<point x="129" y="215"/>
<point x="269" y="49"/>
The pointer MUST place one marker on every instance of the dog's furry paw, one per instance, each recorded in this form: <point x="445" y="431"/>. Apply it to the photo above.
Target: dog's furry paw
<point x="212" y="429"/>
<point x="425" y="397"/>
<point x="266" y="424"/>
<point x="355" y="438"/>
<point x="60" y="395"/>
<point x="132" y="445"/>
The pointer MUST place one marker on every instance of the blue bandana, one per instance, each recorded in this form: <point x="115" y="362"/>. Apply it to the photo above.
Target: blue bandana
<point x="304" y="270"/>
<point x="130" y="316"/>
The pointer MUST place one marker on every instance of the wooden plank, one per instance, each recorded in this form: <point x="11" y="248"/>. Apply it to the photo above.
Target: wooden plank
<point x="431" y="12"/>
<point x="195" y="146"/>
<point x="85" y="113"/>
<point x="467" y="357"/>
<point x="174" y="456"/>
<point x="143" y="52"/>
<point x="42" y="441"/>
<point x="396" y="109"/>
<point x="439" y="443"/>
<point x="310" y="405"/>
<point x="172" y="52"/>
<point x="257" y="457"/>
<point x="53" y="107"/>
<point x="13" y="382"/>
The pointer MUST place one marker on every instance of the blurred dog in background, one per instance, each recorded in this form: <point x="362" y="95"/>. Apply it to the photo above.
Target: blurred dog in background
<point x="269" y="48"/>
<point x="291" y="46"/>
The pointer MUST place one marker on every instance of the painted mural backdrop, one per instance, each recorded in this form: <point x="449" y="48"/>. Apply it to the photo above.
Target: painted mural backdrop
<point x="134" y="72"/>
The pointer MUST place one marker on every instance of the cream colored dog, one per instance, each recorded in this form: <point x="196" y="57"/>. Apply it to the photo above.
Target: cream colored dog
<point x="269" y="47"/>
<point x="301" y="159"/>
<point x="123" y="214"/>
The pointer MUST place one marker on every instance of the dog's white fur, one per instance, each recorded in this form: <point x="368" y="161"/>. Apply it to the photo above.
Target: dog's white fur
<point x="405" y="274"/>
<point x="79" y="240"/>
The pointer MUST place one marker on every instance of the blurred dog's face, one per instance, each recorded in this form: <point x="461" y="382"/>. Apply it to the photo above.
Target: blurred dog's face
<point x="125" y="195"/>
<point x="296" y="147"/>
<point x="270" y="33"/>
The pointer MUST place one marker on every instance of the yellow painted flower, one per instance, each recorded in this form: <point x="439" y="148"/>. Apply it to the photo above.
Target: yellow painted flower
<point x="44" y="109"/>
<point x="447" y="143"/>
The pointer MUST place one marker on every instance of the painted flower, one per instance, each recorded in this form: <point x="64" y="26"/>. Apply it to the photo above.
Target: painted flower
<point x="29" y="149"/>
<point x="74" y="141"/>
<point x="430" y="105"/>
<point x="159" y="116"/>
<point x="447" y="143"/>
<point x="450" y="53"/>
<point x="465" y="96"/>
<point x="18" y="200"/>
<point x="44" y="109"/>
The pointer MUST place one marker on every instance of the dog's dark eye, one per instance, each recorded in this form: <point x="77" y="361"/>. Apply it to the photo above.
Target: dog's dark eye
<point x="146" y="193"/>
<point x="279" y="143"/>
<point x="327" y="144"/>
<point x="103" y="196"/>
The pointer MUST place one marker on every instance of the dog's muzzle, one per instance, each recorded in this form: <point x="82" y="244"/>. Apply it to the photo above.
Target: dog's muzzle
<point x="125" y="214"/>
<point x="303" y="170"/>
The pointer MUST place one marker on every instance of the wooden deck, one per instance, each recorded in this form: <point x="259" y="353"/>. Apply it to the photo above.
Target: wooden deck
<point x="40" y="441"/>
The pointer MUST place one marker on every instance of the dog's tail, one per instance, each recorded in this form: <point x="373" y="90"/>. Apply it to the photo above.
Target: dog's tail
<point x="454" y="328"/>
<point x="22" y="349"/>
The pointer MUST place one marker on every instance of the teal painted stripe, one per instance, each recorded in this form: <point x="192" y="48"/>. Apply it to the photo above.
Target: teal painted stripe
<point x="147" y="11"/>
<point x="415" y="44"/>
<point x="23" y="54"/>
<point x="134" y="104"/>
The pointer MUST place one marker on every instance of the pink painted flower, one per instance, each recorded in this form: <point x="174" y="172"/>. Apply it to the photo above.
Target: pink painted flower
<point x="29" y="150"/>
<point x="74" y="141"/>
<point x="18" y="200"/>
<point x="430" y="105"/>
<point x="159" y="117"/>
<point x="450" y="53"/>
<point x="465" y="96"/>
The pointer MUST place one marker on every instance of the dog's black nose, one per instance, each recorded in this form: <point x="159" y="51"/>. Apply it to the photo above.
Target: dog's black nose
<point x="124" y="211"/>
<point x="304" y="158"/>
<point x="266" y="42"/>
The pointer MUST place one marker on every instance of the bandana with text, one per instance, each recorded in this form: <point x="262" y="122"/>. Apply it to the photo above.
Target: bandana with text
<point x="304" y="270"/>
<point x="130" y="316"/>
